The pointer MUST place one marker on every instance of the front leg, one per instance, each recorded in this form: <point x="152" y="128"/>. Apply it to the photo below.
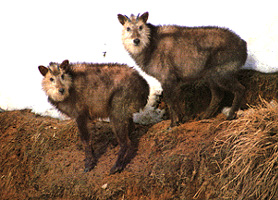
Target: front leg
<point x="173" y="97"/>
<point x="174" y="116"/>
<point x="90" y="158"/>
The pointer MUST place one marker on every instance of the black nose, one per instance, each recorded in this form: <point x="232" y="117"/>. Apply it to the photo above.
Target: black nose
<point x="62" y="90"/>
<point x="136" y="41"/>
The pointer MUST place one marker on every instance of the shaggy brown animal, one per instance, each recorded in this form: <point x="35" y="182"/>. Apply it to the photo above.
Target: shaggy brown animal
<point x="88" y="91"/>
<point x="178" y="55"/>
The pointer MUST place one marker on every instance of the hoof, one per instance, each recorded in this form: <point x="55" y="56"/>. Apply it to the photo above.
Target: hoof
<point x="204" y="116"/>
<point x="89" y="167"/>
<point x="231" y="117"/>
<point x="87" y="170"/>
<point x="173" y="124"/>
<point x="115" y="169"/>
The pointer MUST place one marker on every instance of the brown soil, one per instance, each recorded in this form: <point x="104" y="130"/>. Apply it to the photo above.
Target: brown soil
<point x="42" y="158"/>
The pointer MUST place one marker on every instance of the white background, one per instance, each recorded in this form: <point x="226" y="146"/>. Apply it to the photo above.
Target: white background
<point x="35" y="32"/>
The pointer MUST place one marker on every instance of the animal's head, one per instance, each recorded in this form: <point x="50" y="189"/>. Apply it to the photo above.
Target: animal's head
<point x="57" y="80"/>
<point x="136" y="33"/>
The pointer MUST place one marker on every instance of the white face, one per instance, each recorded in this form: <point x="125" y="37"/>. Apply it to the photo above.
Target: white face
<point x="135" y="35"/>
<point x="56" y="83"/>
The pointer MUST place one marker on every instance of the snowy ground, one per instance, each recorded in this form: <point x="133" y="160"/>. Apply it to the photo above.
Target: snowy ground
<point x="34" y="33"/>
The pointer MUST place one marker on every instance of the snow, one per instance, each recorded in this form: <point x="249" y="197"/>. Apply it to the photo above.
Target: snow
<point x="34" y="33"/>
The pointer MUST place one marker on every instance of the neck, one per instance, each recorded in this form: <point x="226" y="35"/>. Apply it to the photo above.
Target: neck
<point x="141" y="58"/>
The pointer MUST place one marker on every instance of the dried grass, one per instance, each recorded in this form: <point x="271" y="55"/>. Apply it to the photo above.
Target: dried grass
<point x="24" y="143"/>
<point x="249" y="151"/>
<point x="181" y="163"/>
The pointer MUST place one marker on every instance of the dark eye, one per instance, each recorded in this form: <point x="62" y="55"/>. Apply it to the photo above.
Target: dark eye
<point x="62" y="76"/>
<point x="140" y="28"/>
<point x="51" y="79"/>
<point x="128" y="29"/>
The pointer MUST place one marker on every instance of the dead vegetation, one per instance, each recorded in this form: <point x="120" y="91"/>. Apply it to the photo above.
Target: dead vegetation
<point x="42" y="158"/>
<point x="249" y="149"/>
<point x="25" y="140"/>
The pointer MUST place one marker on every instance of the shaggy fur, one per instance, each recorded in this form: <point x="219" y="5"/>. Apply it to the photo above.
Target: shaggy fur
<point x="177" y="55"/>
<point x="89" y="91"/>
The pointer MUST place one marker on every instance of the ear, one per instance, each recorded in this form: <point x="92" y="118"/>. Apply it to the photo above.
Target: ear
<point x="43" y="70"/>
<point x="122" y="19"/>
<point x="144" y="17"/>
<point x="65" y="65"/>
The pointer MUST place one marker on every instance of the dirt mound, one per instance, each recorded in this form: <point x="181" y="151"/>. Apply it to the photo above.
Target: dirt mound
<point x="42" y="158"/>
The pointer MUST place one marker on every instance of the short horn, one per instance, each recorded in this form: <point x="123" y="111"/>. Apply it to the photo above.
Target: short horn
<point x="50" y="70"/>
<point x="137" y="18"/>
<point x="50" y="64"/>
<point x="128" y="18"/>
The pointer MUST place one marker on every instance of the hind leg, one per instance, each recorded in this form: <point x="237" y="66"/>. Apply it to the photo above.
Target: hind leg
<point x="230" y="83"/>
<point x="122" y="127"/>
<point x="216" y="97"/>
<point x="238" y="91"/>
